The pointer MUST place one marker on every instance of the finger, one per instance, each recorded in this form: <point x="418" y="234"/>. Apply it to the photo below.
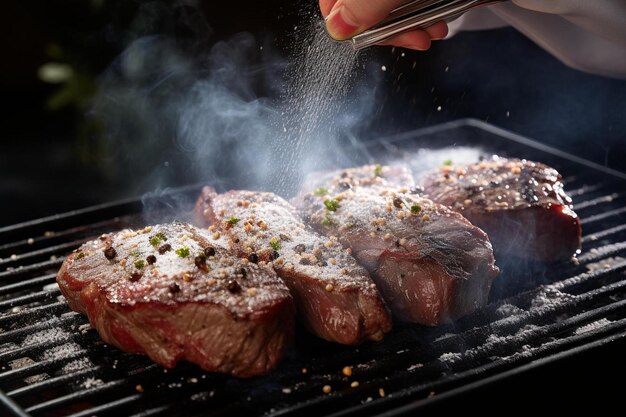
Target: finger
<point x="415" y="39"/>
<point x="350" y="17"/>
<point x="437" y="31"/>
<point x="326" y="6"/>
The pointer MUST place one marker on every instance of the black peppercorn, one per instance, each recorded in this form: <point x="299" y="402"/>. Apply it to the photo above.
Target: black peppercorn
<point x="151" y="259"/>
<point x="274" y="255"/>
<point x="299" y="248"/>
<point x="200" y="262"/>
<point x="136" y="276"/>
<point x="110" y="253"/>
<point x="165" y="248"/>
<point x="253" y="257"/>
<point x="209" y="251"/>
<point x="233" y="286"/>
<point x="397" y="202"/>
<point x="243" y="272"/>
<point x="174" y="288"/>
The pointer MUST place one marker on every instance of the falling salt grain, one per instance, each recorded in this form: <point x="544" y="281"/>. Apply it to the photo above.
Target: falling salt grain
<point x="326" y="389"/>
<point x="286" y="390"/>
<point x="438" y="108"/>
<point x="414" y="367"/>
<point x="381" y="392"/>
<point x="383" y="68"/>
<point x="30" y="241"/>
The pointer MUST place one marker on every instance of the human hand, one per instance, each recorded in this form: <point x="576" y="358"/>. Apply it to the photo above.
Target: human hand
<point x="346" y="18"/>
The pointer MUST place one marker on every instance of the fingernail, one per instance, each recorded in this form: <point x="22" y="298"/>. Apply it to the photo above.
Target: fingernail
<point x="340" y="24"/>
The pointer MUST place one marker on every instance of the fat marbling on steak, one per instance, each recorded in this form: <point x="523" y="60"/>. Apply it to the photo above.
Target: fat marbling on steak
<point x="430" y="263"/>
<point x="173" y="292"/>
<point x="520" y="204"/>
<point x="335" y="297"/>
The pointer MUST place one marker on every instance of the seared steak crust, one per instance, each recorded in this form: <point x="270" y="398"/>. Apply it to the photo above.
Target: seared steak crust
<point x="335" y="297"/>
<point x="429" y="262"/>
<point x="174" y="292"/>
<point x="520" y="204"/>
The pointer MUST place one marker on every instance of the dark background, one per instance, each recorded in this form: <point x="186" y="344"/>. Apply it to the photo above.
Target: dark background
<point x="52" y="147"/>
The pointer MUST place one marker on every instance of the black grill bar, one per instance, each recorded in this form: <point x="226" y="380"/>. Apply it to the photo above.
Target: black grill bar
<point x="107" y="407"/>
<point x="39" y="253"/>
<point x="79" y="395"/>
<point x="30" y="298"/>
<point x="10" y="406"/>
<point x="49" y="310"/>
<point x="52" y="382"/>
<point x="46" y="279"/>
<point x="52" y="363"/>
<point x="34" y="268"/>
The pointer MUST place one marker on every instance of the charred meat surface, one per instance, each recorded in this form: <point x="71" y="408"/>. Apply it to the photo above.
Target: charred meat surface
<point x="173" y="292"/>
<point x="430" y="263"/>
<point x="335" y="297"/>
<point x="520" y="204"/>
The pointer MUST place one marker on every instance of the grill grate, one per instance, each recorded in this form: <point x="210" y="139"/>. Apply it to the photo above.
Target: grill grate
<point x="53" y="363"/>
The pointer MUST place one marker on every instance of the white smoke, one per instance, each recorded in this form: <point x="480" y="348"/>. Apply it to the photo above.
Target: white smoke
<point x="234" y="114"/>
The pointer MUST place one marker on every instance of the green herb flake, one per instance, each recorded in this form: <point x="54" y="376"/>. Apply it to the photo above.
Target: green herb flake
<point x="140" y="263"/>
<point x="275" y="243"/>
<point x="80" y="255"/>
<point x="320" y="191"/>
<point x="183" y="252"/>
<point x="233" y="221"/>
<point x="415" y="209"/>
<point x="134" y="253"/>
<point x="326" y="221"/>
<point x="155" y="240"/>
<point x="447" y="162"/>
<point x="331" y="205"/>
<point x="378" y="171"/>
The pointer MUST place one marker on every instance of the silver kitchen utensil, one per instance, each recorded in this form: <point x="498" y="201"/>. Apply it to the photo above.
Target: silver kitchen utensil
<point x="415" y="14"/>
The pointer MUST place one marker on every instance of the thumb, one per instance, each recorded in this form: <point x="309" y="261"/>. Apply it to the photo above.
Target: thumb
<point x="350" y="17"/>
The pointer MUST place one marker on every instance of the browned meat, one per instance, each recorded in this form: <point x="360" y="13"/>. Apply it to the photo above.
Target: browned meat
<point x="173" y="292"/>
<point x="335" y="297"/>
<point x="429" y="262"/>
<point x="520" y="204"/>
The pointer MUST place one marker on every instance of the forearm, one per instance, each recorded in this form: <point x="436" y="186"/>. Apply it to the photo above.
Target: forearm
<point x="605" y="18"/>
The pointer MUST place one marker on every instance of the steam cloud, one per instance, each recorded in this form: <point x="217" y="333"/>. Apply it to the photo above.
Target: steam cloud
<point x="236" y="114"/>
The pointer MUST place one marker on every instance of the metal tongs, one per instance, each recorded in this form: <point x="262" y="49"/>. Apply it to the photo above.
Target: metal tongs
<point x="415" y="14"/>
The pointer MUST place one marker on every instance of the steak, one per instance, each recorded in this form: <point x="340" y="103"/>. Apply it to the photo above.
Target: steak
<point x="174" y="292"/>
<point x="430" y="264"/>
<point x="335" y="297"/>
<point x="520" y="204"/>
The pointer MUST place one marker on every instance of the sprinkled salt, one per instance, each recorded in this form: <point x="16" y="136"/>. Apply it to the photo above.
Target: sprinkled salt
<point x="450" y="357"/>
<point x="593" y="326"/>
